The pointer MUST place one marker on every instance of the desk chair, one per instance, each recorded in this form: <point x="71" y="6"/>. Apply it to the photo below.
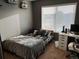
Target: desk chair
<point x="74" y="49"/>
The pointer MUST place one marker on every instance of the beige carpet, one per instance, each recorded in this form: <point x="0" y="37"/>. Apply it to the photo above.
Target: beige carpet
<point x="51" y="52"/>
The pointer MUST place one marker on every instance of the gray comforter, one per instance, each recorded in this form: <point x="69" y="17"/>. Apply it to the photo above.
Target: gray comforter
<point x="27" y="47"/>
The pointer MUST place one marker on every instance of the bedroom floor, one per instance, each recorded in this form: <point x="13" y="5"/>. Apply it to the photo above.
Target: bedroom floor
<point x="54" y="53"/>
<point x="51" y="52"/>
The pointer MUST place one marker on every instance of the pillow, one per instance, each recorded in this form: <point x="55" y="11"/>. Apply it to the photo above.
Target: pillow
<point x="43" y="33"/>
<point x="35" y="32"/>
<point x="46" y="33"/>
<point x="50" y="33"/>
<point x="50" y="36"/>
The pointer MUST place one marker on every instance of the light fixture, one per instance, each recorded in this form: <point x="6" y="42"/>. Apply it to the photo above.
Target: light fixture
<point x="24" y="4"/>
<point x="13" y="1"/>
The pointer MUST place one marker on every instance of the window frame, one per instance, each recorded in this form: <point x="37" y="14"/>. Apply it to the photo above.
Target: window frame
<point x="56" y="10"/>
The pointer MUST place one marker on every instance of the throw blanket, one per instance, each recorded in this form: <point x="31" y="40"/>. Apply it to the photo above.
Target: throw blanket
<point x="27" y="47"/>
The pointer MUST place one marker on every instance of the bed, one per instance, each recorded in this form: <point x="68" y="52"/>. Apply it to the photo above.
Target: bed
<point x="26" y="46"/>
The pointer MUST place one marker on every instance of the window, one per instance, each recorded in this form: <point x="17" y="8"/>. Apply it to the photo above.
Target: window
<point x="55" y="17"/>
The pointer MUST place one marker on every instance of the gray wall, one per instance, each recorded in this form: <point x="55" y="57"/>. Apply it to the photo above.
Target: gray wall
<point x="21" y="22"/>
<point x="25" y="14"/>
<point x="36" y="8"/>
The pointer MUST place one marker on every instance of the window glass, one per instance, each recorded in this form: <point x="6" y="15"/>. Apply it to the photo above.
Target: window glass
<point x="55" y="17"/>
<point x="48" y="17"/>
<point x="65" y="16"/>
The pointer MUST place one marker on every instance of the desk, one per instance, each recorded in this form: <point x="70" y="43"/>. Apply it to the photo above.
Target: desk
<point x="64" y="39"/>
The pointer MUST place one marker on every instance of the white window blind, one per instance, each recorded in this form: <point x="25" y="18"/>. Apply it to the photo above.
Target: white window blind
<point x="55" y="17"/>
<point x="48" y="17"/>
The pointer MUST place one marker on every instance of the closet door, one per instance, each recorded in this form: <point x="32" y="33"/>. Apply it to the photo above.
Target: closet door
<point x="1" y="53"/>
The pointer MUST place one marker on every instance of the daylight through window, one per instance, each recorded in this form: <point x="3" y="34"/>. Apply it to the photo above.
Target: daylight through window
<point x="55" y="17"/>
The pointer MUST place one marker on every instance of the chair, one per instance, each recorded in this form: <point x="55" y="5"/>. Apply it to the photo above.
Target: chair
<point x="1" y="52"/>
<point x="74" y="49"/>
